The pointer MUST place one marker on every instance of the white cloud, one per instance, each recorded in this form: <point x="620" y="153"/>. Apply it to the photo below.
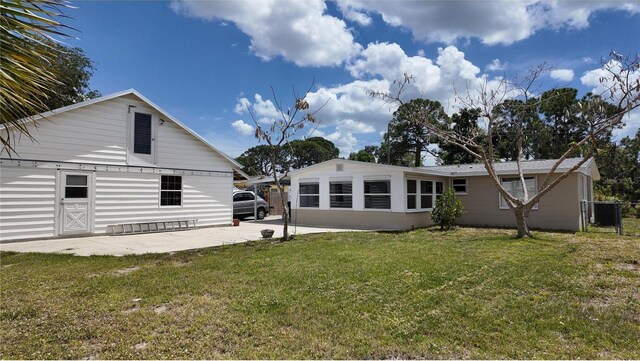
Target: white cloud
<point x="433" y="79"/>
<point x="630" y="127"/>
<point x="298" y="31"/>
<point x="562" y="74"/>
<point x="243" y="128"/>
<point x="601" y="80"/>
<point x="495" y="65"/>
<point x="350" y="13"/>
<point x="352" y="126"/>
<point x="264" y="110"/>
<point x="345" y="141"/>
<point x="493" y="22"/>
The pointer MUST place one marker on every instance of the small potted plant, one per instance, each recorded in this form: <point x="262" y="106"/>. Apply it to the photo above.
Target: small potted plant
<point x="267" y="233"/>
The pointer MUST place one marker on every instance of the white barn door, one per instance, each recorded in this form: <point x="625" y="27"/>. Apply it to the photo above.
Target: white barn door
<point x="76" y="198"/>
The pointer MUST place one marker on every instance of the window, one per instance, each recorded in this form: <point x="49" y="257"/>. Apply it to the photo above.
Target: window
<point x="439" y="190"/>
<point x="426" y="194"/>
<point x="171" y="190"/>
<point x="142" y="133"/>
<point x="309" y="195"/>
<point x="421" y="194"/>
<point x="514" y="187"/>
<point x="459" y="185"/>
<point x="411" y="193"/>
<point x="340" y="194"/>
<point x="244" y="196"/>
<point x="76" y="186"/>
<point x="377" y="194"/>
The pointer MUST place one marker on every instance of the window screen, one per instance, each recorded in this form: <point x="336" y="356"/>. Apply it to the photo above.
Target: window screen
<point x="377" y="194"/>
<point x="142" y="133"/>
<point x="340" y="195"/>
<point x="309" y="195"/>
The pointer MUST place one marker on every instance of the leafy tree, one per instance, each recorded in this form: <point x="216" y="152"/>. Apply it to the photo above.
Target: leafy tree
<point x="303" y="153"/>
<point x="73" y="72"/>
<point x="258" y="161"/>
<point x="448" y="208"/>
<point x="619" y="166"/>
<point x="464" y="121"/>
<point x="368" y="154"/>
<point x="408" y="136"/>
<point x="27" y="67"/>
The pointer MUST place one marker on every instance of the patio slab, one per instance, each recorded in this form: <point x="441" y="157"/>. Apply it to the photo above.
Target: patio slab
<point x="161" y="242"/>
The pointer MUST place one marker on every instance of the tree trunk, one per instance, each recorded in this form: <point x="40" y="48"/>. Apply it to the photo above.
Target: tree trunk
<point x="285" y="212"/>
<point x="521" y="222"/>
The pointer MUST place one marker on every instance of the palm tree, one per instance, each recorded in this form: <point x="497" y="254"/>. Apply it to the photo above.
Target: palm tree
<point x="26" y="70"/>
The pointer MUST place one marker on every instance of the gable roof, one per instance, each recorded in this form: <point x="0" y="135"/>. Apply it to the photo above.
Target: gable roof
<point x="238" y="167"/>
<point x="476" y="169"/>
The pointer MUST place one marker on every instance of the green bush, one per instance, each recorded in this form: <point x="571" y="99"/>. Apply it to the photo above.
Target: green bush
<point x="448" y="208"/>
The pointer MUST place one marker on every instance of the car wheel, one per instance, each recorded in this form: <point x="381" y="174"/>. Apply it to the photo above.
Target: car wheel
<point x="261" y="213"/>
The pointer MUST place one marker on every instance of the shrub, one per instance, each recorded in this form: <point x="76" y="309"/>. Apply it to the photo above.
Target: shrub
<point x="448" y="208"/>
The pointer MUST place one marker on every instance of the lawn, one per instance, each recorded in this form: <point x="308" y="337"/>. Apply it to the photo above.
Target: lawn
<point x="469" y="293"/>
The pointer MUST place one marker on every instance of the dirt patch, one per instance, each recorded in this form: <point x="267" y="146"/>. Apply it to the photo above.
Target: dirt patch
<point x="161" y="309"/>
<point x="626" y="267"/>
<point x="140" y="346"/>
<point x="126" y="271"/>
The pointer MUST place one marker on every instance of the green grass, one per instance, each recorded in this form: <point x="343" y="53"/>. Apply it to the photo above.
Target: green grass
<point x="468" y="293"/>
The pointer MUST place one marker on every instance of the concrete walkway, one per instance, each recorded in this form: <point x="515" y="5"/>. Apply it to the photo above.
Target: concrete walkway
<point x="161" y="242"/>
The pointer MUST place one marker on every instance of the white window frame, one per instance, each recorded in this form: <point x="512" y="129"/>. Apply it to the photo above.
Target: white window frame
<point x="364" y="187"/>
<point x="434" y="194"/>
<point x="466" y="186"/>
<point x="502" y="203"/>
<point x="341" y="194"/>
<point x="300" y="194"/>
<point x="171" y="190"/>
<point x="415" y="195"/>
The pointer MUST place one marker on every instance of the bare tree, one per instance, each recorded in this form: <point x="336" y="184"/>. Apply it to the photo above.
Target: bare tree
<point x="281" y="130"/>
<point x="599" y="116"/>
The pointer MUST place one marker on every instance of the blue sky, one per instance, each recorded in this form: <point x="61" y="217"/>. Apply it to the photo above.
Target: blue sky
<point x="206" y="61"/>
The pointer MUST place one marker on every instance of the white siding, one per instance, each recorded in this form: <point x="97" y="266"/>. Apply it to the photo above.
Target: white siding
<point x="94" y="134"/>
<point x="357" y="173"/>
<point x="27" y="203"/>
<point x="130" y="197"/>
<point x="179" y="149"/>
<point x="98" y="134"/>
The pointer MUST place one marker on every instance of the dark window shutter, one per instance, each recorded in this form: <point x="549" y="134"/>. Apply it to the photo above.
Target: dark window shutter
<point x="142" y="134"/>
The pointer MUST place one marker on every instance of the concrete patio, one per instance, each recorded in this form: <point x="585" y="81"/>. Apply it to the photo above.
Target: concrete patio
<point x="161" y="242"/>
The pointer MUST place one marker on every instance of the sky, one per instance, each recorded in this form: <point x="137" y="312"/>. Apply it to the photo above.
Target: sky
<point x="206" y="62"/>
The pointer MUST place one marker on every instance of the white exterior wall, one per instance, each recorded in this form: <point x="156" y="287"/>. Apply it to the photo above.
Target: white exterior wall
<point x="99" y="134"/>
<point x="97" y="138"/>
<point x="357" y="173"/>
<point x="130" y="197"/>
<point x="27" y="203"/>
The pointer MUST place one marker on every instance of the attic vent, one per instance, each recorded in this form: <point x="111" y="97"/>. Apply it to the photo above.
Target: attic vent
<point x="339" y="167"/>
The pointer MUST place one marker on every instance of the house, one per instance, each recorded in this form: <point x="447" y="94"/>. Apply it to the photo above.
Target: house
<point x="344" y="193"/>
<point x="113" y="160"/>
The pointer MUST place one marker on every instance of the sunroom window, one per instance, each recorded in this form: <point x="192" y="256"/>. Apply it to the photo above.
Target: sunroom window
<point x="309" y="195"/>
<point x="377" y="194"/>
<point x="340" y="194"/>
